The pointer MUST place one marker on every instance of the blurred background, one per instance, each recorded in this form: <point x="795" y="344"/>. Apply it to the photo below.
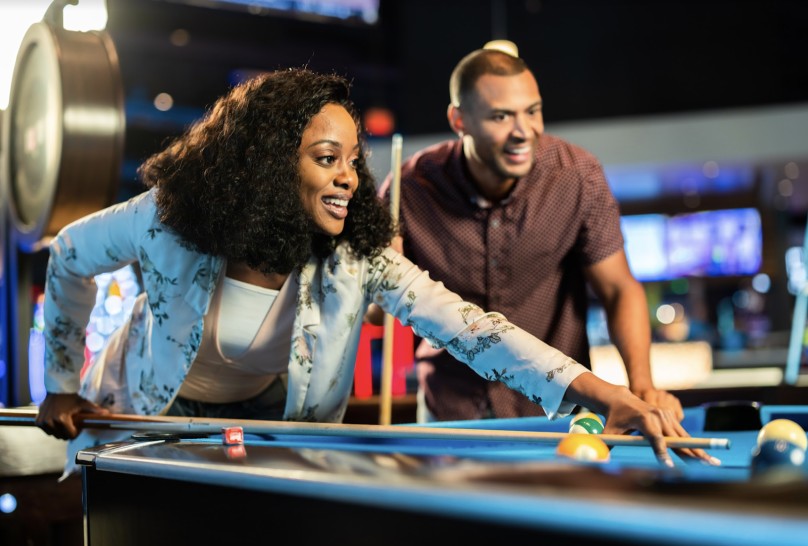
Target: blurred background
<point x="698" y="112"/>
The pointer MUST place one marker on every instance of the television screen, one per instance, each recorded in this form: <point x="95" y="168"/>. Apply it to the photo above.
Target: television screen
<point x="707" y="244"/>
<point x="645" y="245"/>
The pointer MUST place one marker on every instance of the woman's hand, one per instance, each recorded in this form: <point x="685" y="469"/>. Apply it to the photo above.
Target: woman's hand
<point x="625" y="413"/>
<point x="56" y="414"/>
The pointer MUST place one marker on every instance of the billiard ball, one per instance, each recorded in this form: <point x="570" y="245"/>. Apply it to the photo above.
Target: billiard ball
<point x="777" y="455"/>
<point x="783" y="429"/>
<point x="586" y="423"/>
<point x="583" y="447"/>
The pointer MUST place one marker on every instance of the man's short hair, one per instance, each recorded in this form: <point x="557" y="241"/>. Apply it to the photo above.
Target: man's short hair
<point x="476" y="64"/>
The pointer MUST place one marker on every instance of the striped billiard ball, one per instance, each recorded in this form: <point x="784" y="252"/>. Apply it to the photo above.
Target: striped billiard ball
<point x="586" y="423"/>
<point x="783" y="429"/>
<point x="778" y="456"/>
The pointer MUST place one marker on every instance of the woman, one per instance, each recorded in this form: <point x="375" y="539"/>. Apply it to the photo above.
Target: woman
<point x="261" y="245"/>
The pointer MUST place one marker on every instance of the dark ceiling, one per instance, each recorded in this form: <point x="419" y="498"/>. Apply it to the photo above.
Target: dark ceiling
<point x="593" y="59"/>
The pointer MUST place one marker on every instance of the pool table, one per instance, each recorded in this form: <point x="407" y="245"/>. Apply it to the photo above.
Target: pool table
<point x="315" y="490"/>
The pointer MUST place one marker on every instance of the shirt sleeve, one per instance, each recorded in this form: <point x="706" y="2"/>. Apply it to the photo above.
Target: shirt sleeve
<point x="99" y="243"/>
<point x="490" y="345"/>
<point x="600" y="235"/>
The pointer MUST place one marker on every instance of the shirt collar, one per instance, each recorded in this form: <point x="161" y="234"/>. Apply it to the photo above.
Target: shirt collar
<point x="462" y="176"/>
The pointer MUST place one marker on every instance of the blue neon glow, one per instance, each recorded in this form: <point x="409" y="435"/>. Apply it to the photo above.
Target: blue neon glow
<point x="7" y="503"/>
<point x="367" y="10"/>
<point x="647" y="182"/>
<point x="36" y="366"/>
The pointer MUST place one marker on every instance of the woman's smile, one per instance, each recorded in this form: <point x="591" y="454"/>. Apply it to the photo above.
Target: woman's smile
<point x="337" y="205"/>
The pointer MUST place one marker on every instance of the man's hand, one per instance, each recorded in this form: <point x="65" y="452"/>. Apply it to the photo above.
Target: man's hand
<point x="625" y="413"/>
<point x="57" y="411"/>
<point x="663" y="399"/>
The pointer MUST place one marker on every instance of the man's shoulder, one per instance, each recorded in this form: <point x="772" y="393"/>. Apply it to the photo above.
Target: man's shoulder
<point x="556" y="152"/>
<point x="429" y="161"/>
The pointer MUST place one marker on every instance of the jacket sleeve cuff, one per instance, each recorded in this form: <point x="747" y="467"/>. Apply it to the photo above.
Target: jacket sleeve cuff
<point x="555" y="406"/>
<point x="67" y="385"/>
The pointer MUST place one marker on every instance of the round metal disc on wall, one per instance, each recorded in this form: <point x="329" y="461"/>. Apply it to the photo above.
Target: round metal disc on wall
<point x="62" y="132"/>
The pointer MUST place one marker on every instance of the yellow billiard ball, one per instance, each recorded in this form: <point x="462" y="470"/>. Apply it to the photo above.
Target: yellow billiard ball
<point x="584" y="447"/>
<point x="783" y="429"/>
<point x="586" y="423"/>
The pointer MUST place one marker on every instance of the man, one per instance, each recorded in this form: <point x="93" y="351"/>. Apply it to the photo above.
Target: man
<point x="532" y="220"/>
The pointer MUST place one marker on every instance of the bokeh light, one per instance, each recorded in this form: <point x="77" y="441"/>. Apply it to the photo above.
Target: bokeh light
<point x="113" y="305"/>
<point x="761" y="282"/>
<point x="95" y="342"/>
<point x="792" y="171"/>
<point x="180" y="37"/>
<point x="114" y="302"/>
<point x="17" y="17"/>
<point x="795" y="269"/>
<point x="711" y="169"/>
<point x="87" y="15"/>
<point x="379" y="121"/>
<point x="163" y="102"/>
<point x="741" y="299"/>
<point x="8" y="503"/>
<point x="680" y="286"/>
<point x="665" y="314"/>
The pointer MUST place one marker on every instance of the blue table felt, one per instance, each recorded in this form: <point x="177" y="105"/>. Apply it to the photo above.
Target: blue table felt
<point x="735" y="461"/>
<point x="624" y="520"/>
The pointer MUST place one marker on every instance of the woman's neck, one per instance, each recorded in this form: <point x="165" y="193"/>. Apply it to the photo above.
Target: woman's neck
<point x="240" y="271"/>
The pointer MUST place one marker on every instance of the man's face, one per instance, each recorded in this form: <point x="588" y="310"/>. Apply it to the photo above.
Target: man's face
<point x="502" y="123"/>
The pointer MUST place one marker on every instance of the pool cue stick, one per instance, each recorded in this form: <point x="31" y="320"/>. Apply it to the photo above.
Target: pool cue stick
<point x="386" y="387"/>
<point x="26" y="417"/>
<point x="792" y="370"/>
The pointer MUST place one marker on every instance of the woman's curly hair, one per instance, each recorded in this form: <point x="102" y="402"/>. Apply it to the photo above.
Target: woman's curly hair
<point x="229" y="186"/>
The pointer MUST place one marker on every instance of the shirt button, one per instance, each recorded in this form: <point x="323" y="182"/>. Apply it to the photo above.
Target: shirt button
<point x="494" y="263"/>
<point x="495" y="223"/>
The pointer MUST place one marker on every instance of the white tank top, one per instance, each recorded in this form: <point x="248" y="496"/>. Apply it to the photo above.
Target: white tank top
<point x="245" y="342"/>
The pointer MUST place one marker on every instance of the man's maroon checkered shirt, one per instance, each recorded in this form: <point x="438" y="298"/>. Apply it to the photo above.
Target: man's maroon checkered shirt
<point x="522" y="257"/>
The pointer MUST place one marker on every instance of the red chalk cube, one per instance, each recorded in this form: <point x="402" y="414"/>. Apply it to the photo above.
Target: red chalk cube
<point x="232" y="435"/>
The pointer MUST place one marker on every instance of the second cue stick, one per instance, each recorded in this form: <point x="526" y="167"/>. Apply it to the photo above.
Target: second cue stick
<point x="156" y="423"/>
<point x="386" y="387"/>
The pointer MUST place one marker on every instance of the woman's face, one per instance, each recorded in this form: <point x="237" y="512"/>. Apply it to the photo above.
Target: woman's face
<point x="328" y="154"/>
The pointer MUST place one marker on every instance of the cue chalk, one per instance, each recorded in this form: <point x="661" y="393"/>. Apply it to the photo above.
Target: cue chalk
<point x="232" y="436"/>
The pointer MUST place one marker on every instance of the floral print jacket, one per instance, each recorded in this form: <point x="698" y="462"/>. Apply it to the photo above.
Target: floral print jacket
<point x="146" y="360"/>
